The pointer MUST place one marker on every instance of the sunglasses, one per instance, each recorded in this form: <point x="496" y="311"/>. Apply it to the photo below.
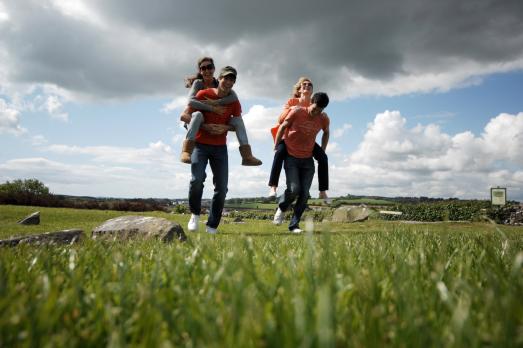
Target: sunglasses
<point x="306" y="84"/>
<point x="207" y="67"/>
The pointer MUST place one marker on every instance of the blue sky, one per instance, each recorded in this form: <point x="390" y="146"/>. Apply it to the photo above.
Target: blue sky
<point x="425" y="98"/>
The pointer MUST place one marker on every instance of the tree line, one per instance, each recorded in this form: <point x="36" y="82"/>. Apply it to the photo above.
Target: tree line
<point x="34" y="192"/>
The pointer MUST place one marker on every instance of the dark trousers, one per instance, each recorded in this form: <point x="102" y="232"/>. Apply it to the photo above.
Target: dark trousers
<point x="299" y="173"/>
<point x="318" y="154"/>
<point x="217" y="157"/>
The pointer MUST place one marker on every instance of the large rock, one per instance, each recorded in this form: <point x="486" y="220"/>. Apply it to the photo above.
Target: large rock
<point x="145" y="227"/>
<point x="350" y="214"/>
<point x="33" y="219"/>
<point x="58" y="237"/>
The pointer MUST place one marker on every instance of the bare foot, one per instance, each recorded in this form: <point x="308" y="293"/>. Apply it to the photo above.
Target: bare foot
<point x="272" y="191"/>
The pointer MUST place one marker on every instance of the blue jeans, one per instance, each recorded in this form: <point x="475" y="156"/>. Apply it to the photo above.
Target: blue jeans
<point x="318" y="154"/>
<point x="197" y="119"/>
<point x="299" y="173"/>
<point x="217" y="157"/>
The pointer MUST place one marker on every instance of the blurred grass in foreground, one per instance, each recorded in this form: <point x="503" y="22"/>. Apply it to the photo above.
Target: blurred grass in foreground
<point x="366" y="284"/>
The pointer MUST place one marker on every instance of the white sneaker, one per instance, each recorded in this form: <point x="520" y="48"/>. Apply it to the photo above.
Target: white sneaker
<point x="278" y="217"/>
<point x="272" y="193"/>
<point x="211" y="230"/>
<point x="192" y="226"/>
<point x="296" y="230"/>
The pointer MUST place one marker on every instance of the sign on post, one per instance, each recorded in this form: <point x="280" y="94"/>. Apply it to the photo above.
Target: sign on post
<point x="498" y="196"/>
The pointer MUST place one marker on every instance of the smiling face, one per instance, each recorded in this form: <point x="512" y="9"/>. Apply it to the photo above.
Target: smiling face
<point x="305" y="88"/>
<point x="226" y="83"/>
<point x="207" y="69"/>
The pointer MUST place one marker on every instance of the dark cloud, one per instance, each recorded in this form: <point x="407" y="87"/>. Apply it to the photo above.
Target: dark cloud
<point x="147" y="47"/>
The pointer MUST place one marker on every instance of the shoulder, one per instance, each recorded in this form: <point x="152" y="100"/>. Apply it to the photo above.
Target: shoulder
<point x="292" y="102"/>
<point x="325" y="119"/>
<point x="295" y="111"/>
<point x="198" y="83"/>
<point x="206" y="92"/>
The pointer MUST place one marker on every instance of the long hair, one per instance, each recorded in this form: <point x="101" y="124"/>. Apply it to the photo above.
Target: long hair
<point x="296" y="88"/>
<point x="198" y="76"/>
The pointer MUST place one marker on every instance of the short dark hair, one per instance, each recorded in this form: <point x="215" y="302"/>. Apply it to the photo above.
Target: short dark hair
<point x="320" y="99"/>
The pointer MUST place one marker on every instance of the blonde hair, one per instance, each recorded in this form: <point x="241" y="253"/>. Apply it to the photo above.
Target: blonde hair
<point x="296" y="88"/>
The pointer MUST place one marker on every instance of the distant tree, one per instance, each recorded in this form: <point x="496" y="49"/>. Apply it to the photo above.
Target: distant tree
<point x="28" y="191"/>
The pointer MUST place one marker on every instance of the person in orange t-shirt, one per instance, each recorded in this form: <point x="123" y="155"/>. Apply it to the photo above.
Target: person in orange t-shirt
<point x="300" y="128"/>
<point x="301" y="96"/>
<point x="211" y="148"/>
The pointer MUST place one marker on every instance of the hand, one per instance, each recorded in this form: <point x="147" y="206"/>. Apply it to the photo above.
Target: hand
<point x="210" y="101"/>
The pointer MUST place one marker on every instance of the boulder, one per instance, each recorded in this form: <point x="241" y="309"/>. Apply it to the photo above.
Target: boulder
<point x="143" y="227"/>
<point x="33" y="219"/>
<point x="58" y="237"/>
<point x="350" y="214"/>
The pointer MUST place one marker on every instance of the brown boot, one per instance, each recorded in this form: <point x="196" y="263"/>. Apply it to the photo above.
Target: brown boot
<point x="187" y="147"/>
<point x="247" y="158"/>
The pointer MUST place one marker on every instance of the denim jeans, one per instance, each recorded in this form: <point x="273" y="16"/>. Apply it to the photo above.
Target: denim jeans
<point x="197" y="120"/>
<point x="193" y="127"/>
<point x="318" y="154"/>
<point x="299" y="173"/>
<point x="217" y="157"/>
<point x="239" y="128"/>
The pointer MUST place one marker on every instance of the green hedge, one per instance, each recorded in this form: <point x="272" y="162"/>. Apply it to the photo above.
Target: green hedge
<point x="443" y="211"/>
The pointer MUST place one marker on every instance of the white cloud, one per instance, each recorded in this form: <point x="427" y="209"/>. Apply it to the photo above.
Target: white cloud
<point x="55" y="108"/>
<point x="38" y="140"/>
<point x="339" y="132"/>
<point x="259" y="120"/>
<point x="9" y="120"/>
<point x="177" y="103"/>
<point x="156" y="153"/>
<point x="396" y="160"/>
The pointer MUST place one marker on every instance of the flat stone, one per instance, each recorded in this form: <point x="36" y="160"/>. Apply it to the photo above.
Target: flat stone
<point x="57" y="237"/>
<point x="350" y="214"/>
<point x="33" y="219"/>
<point x="142" y="227"/>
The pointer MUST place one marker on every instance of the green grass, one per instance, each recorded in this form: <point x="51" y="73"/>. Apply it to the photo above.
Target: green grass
<point x="252" y="205"/>
<point x="369" y="284"/>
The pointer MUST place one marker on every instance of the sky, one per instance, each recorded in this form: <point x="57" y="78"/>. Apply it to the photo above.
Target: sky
<point x="425" y="95"/>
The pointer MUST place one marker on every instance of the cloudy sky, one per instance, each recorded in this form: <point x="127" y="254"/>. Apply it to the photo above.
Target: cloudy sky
<point x="425" y="95"/>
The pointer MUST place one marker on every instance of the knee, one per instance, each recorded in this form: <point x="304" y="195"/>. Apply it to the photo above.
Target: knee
<point x="221" y="192"/>
<point x="197" y="116"/>
<point x="197" y="181"/>
<point x="295" y="190"/>
<point x="321" y="157"/>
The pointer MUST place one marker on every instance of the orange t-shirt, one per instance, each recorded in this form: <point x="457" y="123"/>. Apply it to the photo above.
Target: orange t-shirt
<point x="233" y="109"/>
<point x="286" y="108"/>
<point x="300" y="134"/>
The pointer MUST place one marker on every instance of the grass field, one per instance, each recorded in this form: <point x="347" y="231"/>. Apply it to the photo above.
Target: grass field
<point x="369" y="284"/>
